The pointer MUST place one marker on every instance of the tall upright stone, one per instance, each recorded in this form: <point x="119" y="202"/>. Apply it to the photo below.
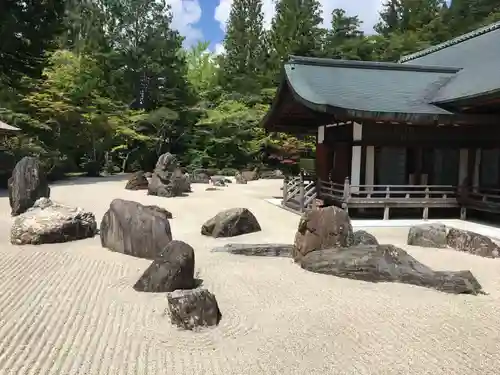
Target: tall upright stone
<point x="27" y="184"/>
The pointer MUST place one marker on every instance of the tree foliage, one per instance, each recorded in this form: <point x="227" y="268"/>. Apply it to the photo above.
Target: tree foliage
<point x="107" y="84"/>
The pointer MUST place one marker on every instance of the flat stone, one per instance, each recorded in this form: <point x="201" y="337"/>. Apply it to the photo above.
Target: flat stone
<point x="270" y="250"/>
<point x="387" y="263"/>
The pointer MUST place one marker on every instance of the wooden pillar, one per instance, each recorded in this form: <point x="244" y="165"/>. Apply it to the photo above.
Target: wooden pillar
<point x="477" y="169"/>
<point x="357" y="130"/>
<point x="463" y="166"/>
<point x="323" y="157"/>
<point x="370" y="165"/>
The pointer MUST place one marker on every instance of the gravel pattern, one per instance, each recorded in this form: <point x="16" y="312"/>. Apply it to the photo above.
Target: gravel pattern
<point x="70" y="308"/>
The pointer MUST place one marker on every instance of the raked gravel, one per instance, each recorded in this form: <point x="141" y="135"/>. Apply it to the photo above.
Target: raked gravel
<point x="70" y="308"/>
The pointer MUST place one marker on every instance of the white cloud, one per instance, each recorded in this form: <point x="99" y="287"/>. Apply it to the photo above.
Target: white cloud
<point x="219" y="49"/>
<point x="185" y="15"/>
<point x="367" y="10"/>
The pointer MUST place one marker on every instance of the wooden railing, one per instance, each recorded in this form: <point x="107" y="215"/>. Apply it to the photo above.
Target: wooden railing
<point x="389" y="196"/>
<point x="480" y="199"/>
<point x="299" y="192"/>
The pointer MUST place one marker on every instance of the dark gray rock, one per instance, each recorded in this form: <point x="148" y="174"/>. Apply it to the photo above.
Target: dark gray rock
<point x="133" y="229"/>
<point x="200" y="178"/>
<point x="240" y="179"/>
<point x="362" y="237"/>
<point x="190" y="309"/>
<point x="472" y="243"/>
<point x="211" y="189"/>
<point x="272" y="175"/>
<point x="387" y="263"/>
<point x="173" y="269"/>
<point x="185" y="180"/>
<point x="137" y="181"/>
<point x="267" y="249"/>
<point x="321" y="229"/>
<point x="167" y="179"/>
<point x="251" y="175"/>
<point x="167" y="162"/>
<point x="49" y="222"/>
<point x="230" y="223"/>
<point x="427" y="235"/>
<point x="218" y="180"/>
<point x="165" y="184"/>
<point x="27" y="184"/>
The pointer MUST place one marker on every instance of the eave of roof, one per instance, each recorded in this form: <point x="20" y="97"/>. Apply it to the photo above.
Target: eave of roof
<point x="7" y="128"/>
<point x="369" y="65"/>
<point x="451" y="42"/>
<point x="359" y="89"/>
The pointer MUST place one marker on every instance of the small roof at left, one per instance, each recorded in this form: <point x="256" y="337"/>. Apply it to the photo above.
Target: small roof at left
<point x="5" y="128"/>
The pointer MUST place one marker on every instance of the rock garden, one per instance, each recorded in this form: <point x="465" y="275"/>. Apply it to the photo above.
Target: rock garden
<point x="324" y="243"/>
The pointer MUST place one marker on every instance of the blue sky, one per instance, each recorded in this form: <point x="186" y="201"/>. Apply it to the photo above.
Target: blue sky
<point x="204" y="20"/>
<point x="209" y="26"/>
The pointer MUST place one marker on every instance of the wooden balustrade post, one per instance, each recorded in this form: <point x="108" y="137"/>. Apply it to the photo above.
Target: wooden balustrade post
<point x="386" y="208"/>
<point x="426" y="208"/>
<point x="301" y="195"/>
<point x="285" y="191"/>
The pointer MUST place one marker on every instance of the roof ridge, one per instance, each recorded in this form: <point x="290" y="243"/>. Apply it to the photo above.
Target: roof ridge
<point x="377" y="65"/>
<point x="459" y="39"/>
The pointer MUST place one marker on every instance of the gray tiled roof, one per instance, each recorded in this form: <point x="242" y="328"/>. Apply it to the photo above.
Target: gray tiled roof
<point x="471" y="82"/>
<point x="367" y="86"/>
<point x="466" y="50"/>
<point x="4" y="127"/>
<point x="476" y="53"/>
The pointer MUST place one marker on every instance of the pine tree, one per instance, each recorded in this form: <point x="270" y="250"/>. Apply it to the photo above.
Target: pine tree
<point x="242" y="65"/>
<point x="344" y="37"/>
<point x="295" y="30"/>
<point x="28" y="30"/>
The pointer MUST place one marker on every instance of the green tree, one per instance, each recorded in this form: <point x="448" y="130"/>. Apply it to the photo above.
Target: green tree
<point x="344" y="40"/>
<point x="27" y="31"/>
<point x="202" y="71"/>
<point x="295" y="30"/>
<point x="243" y="63"/>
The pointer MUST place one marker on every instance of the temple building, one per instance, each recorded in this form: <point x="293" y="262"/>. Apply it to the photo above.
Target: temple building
<point x="420" y="133"/>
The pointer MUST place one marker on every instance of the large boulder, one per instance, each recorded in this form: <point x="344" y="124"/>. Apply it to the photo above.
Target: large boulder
<point x="137" y="181"/>
<point x="167" y="179"/>
<point x="229" y="223"/>
<point x="167" y="162"/>
<point x="238" y="177"/>
<point x="362" y="237"/>
<point x="472" y="243"/>
<point x="251" y="175"/>
<point x="172" y="269"/>
<point x="200" y="177"/>
<point x="27" y="184"/>
<point x="186" y="183"/>
<point x="321" y="229"/>
<point x="133" y="229"/>
<point x="387" y="263"/>
<point x="190" y="309"/>
<point x="427" y="235"/>
<point x="49" y="222"/>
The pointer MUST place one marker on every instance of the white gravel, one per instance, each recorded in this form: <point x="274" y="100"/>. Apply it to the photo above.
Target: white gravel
<point x="70" y="308"/>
